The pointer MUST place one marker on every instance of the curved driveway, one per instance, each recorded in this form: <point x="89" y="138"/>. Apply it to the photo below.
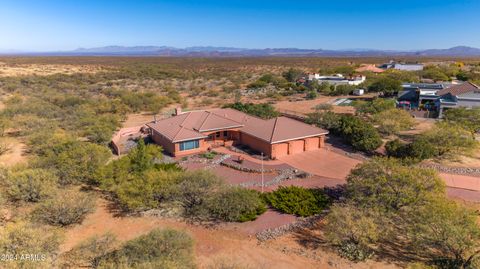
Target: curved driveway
<point x="326" y="163"/>
<point x="322" y="162"/>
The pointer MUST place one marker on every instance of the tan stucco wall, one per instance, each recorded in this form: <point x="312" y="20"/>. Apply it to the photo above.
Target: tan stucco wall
<point x="162" y="141"/>
<point x="174" y="148"/>
<point x="203" y="146"/>
<point x="256" y="144"/>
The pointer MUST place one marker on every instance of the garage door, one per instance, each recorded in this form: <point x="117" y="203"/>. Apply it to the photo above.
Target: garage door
<point x="296" y="146"/>
<point x="312" y="143"/>
<point x="279" y="150"/>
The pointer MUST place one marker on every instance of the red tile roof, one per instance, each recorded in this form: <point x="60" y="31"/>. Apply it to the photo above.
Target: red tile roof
<point x="190" y="125"/>
<point x="459" y="89"/>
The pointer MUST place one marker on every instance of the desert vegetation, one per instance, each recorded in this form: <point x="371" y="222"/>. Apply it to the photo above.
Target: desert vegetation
<point x="394" y="207"/>
<point x="66" y="120"/>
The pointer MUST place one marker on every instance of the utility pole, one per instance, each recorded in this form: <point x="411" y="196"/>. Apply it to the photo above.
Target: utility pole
<point x="262" y="172"/>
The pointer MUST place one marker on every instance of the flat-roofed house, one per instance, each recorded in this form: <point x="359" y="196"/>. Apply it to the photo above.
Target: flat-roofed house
<point x="338" y="79"/>
<point x="197" y="131"/>
<point x="402" y="66"/>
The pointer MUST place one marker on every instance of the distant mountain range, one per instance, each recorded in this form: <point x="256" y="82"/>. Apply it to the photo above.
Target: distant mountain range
<point x="165" y="51"/>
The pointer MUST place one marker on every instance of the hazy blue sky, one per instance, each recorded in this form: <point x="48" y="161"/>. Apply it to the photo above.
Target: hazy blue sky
<point x="43" y="25"/>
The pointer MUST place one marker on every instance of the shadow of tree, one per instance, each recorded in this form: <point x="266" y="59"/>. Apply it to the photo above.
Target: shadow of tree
<point x="395" y="251"/>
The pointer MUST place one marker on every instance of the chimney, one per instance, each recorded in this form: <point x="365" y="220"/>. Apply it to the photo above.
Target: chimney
<point x="178" y="111"/>
<point x="155" y="118"/>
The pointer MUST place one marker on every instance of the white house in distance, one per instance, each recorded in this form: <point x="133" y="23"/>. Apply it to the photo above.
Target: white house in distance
<point x="338" y="79"/>
<point x="402" y="66"/>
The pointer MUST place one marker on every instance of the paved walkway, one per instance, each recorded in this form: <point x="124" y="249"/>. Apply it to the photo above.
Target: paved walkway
<point x="268" y="220"/>
<point x="322" y="162"/>
<point x="466" y="195"/>
<point x="461" y="181"/>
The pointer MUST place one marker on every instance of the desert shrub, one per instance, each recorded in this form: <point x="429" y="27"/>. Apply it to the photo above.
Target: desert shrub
<point x="166" y="248"/>
<point x="265" y="111"/>
<point x="419" y="149"/>
<point x="396" y="148"/>
<point x="194" y="190"/>
<point x="359" y="133"/>
<point x="31" y="185"/>
<point x="236" y="204"/>
<point x="172" y="167"/>
<point x="387" y="201"/>
<point x="434" y="73"/>
<point x="342" y="90"/>
<point x="354" y="130"/>
<point x="147" y="190"/>
<point x="298" y="201"/>
<point x="209" y="155"/>
<point x="257" y="84"/>
<point x="75" y="162"/>
<point x="467" y="118"/>
<point x="311" y="95"/>
<point x="89" y="252"/>
<point x="386" y="85"/>
<point x="444" y="140"/>
<point x="326" y="119"/>
<point x="292" y="74"/>
<point x="390" y="185"/>
<point x="20" y="238"/>
<point x="4" y="147"/>
<point x="375" y="106"/>
<point x="353" y="231"/>
<point x="66" y="208"/>
<point x="393" y="121"/>
<point x="450" y="138"/>
<point x="324" y="107"/>
<point x="446" y="233"/>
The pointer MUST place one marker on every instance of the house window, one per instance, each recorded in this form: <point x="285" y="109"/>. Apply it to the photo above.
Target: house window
<point x="217" y="134"/>
<point x="187" y="145"/>
<point x="225" y="133"/>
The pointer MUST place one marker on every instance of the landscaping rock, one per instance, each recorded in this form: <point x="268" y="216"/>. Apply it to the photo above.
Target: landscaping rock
<point x="273" y="233"/>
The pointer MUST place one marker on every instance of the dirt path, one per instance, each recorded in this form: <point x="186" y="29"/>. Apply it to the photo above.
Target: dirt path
<point x="16" y="153"/>
<point x="227" y="243"/>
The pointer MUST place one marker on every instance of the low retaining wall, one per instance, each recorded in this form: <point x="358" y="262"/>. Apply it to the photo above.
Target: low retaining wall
<point x="467" y="171"/>
<point x="273" y="233"/>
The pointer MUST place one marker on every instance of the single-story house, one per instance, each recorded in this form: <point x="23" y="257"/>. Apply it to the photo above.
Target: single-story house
<point x="463" y="95"/>
<point x="402" y="66"/>
<point x="337" y="79"/>
<point x="421" y="93"/>
<point x="197" y="131"/>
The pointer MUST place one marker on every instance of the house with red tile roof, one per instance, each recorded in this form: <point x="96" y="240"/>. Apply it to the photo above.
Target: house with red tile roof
<point x="463" y="95"/>
<point x="198" y="131"/>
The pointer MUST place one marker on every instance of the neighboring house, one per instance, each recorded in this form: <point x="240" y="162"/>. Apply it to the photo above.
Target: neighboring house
<point x="402" y="66"/>
<point x="421" y="92"/>
<point x="338" y="79"/>
<point x="369" y="68"/>
<point x="463" y="95"/>
<point x="197" y="131"/>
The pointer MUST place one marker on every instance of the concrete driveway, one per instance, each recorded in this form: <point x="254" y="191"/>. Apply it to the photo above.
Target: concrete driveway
<point x="322" y="162"/>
